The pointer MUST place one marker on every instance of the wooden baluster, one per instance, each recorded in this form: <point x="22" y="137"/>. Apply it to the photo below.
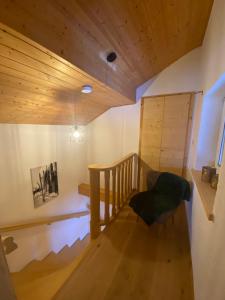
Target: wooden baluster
<point x="107" y="178"/>
<point x="6" y="286"/>
<point x="114" y="191"/>
<point x="118" y="188"/>
<point x="122" y="184"/>
<point x="131" y="175"/>
<point x="125" y="180"/>
<point x="95" y="203"/>
<point x="137" y="172"/>
<point x="128" y="179"/>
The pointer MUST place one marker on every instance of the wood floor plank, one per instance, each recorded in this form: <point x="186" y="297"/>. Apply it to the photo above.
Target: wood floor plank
<point x="133" y="261"/>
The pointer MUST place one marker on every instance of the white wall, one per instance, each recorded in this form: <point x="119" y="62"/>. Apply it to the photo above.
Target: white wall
<point x="207" y="238"/>
<point x="210" y="122"/>
<point x="181" y="76"/>
<point x="213" y="47"/>
<point x="116" y="132"/>
<point x="26" y="146"/>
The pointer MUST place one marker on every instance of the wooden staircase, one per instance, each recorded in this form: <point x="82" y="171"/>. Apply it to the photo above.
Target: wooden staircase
<point x="42" y="279"/>
<point x="126" y="259"/>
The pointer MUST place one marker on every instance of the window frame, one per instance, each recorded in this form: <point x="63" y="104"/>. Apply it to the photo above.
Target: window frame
<point x="221" y="142"/>
<point x="221" y="151"/>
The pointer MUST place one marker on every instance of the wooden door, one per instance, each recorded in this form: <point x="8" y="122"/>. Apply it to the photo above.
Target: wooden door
<point x="174" y="133"/>
<point x="163" y="136"/>
<point x="150" y="137"/>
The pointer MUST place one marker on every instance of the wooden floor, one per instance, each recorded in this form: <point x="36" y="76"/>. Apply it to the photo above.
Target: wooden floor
<point x="133" y="261"/>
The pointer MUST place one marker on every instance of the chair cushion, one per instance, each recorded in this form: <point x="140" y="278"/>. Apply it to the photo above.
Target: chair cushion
<point x="173" y="186"/>
<point x="166" y="196"/>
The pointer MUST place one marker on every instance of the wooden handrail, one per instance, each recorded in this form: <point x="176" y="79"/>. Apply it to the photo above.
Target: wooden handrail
<point x="104" y="167"/>
<point x="122" y="178"/>
<point x="84" y="189"/>
<point x="42" y="221"/>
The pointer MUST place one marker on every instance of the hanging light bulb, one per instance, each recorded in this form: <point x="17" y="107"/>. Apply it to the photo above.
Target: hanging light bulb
<point x="78" y="134"/>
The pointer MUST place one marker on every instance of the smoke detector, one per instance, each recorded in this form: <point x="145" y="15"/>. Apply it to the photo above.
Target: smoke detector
<point x="87" y="89"/>
<point x="111" y="57"/>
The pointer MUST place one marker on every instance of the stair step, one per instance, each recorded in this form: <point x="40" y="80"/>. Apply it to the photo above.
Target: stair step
<point x="86" y="240"/>
<point x="42" y="279"/>
<point x="45" y="286"/>
<point x="52" y="262"/>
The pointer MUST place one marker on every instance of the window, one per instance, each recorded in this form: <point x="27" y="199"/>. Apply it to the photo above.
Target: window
<point x="220" y="158"/>
<point x="221" y="143"/>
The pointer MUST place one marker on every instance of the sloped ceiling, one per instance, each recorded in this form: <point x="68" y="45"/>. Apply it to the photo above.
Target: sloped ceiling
<point x="147" y="35"/>
<point x="39" y="87"/>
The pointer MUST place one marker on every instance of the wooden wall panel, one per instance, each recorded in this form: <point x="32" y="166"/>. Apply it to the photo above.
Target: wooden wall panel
<point x="39" y="87"/>
<point x="175" y="121"/>
<point x="174" y="133"/>
<point x="171" y="160"/>
<point x="151" y="131"/>
<point x="164" y="133"/>
<point x="151" y="135"/>
<point x="147" y="35"/>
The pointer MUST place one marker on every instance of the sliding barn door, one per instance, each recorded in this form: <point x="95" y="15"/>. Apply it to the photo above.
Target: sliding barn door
<point x="163" y="137"/>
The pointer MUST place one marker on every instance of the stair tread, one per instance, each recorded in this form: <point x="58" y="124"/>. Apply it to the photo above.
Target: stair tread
<point x="49" y="283"/>
<point x="55" y="265"/>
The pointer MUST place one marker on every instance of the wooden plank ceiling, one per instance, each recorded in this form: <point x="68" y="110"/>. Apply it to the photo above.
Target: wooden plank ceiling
<point x="39" y="87"/>
<point x="147" y="36"/>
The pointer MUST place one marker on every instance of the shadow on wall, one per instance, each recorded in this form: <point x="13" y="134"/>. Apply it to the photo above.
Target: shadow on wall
<point x="144" y="87"/>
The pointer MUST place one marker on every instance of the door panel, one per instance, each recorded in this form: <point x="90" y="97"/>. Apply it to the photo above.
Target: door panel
<point x="175" y="121"/>
<point x="174" y="138"/>
<point x="174" y="133"/>
<point x="150" y="136"/>
<point x="151" y="157"/>
<point x="171" y="161"/>
<point x="151" y="128"/>
<point x="163" y="136"/>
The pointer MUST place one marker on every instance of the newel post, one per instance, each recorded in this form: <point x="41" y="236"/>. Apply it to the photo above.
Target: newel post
<point x="6" y="287"/>
<point x="95" y="202"/>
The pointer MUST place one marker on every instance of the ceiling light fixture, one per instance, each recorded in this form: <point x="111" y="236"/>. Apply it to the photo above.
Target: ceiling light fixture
<point x="87" y="89"/>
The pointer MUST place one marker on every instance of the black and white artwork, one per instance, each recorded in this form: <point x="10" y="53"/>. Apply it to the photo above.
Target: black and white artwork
<point x="44" y="183"/>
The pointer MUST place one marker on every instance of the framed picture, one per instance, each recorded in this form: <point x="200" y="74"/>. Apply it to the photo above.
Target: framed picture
<point x="44" y="183"/>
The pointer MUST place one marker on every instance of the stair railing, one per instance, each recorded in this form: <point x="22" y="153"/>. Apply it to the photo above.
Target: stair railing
<point x="42" y="221"/>
<point x="120" y="181"/>
<point x="7" y="291"/>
